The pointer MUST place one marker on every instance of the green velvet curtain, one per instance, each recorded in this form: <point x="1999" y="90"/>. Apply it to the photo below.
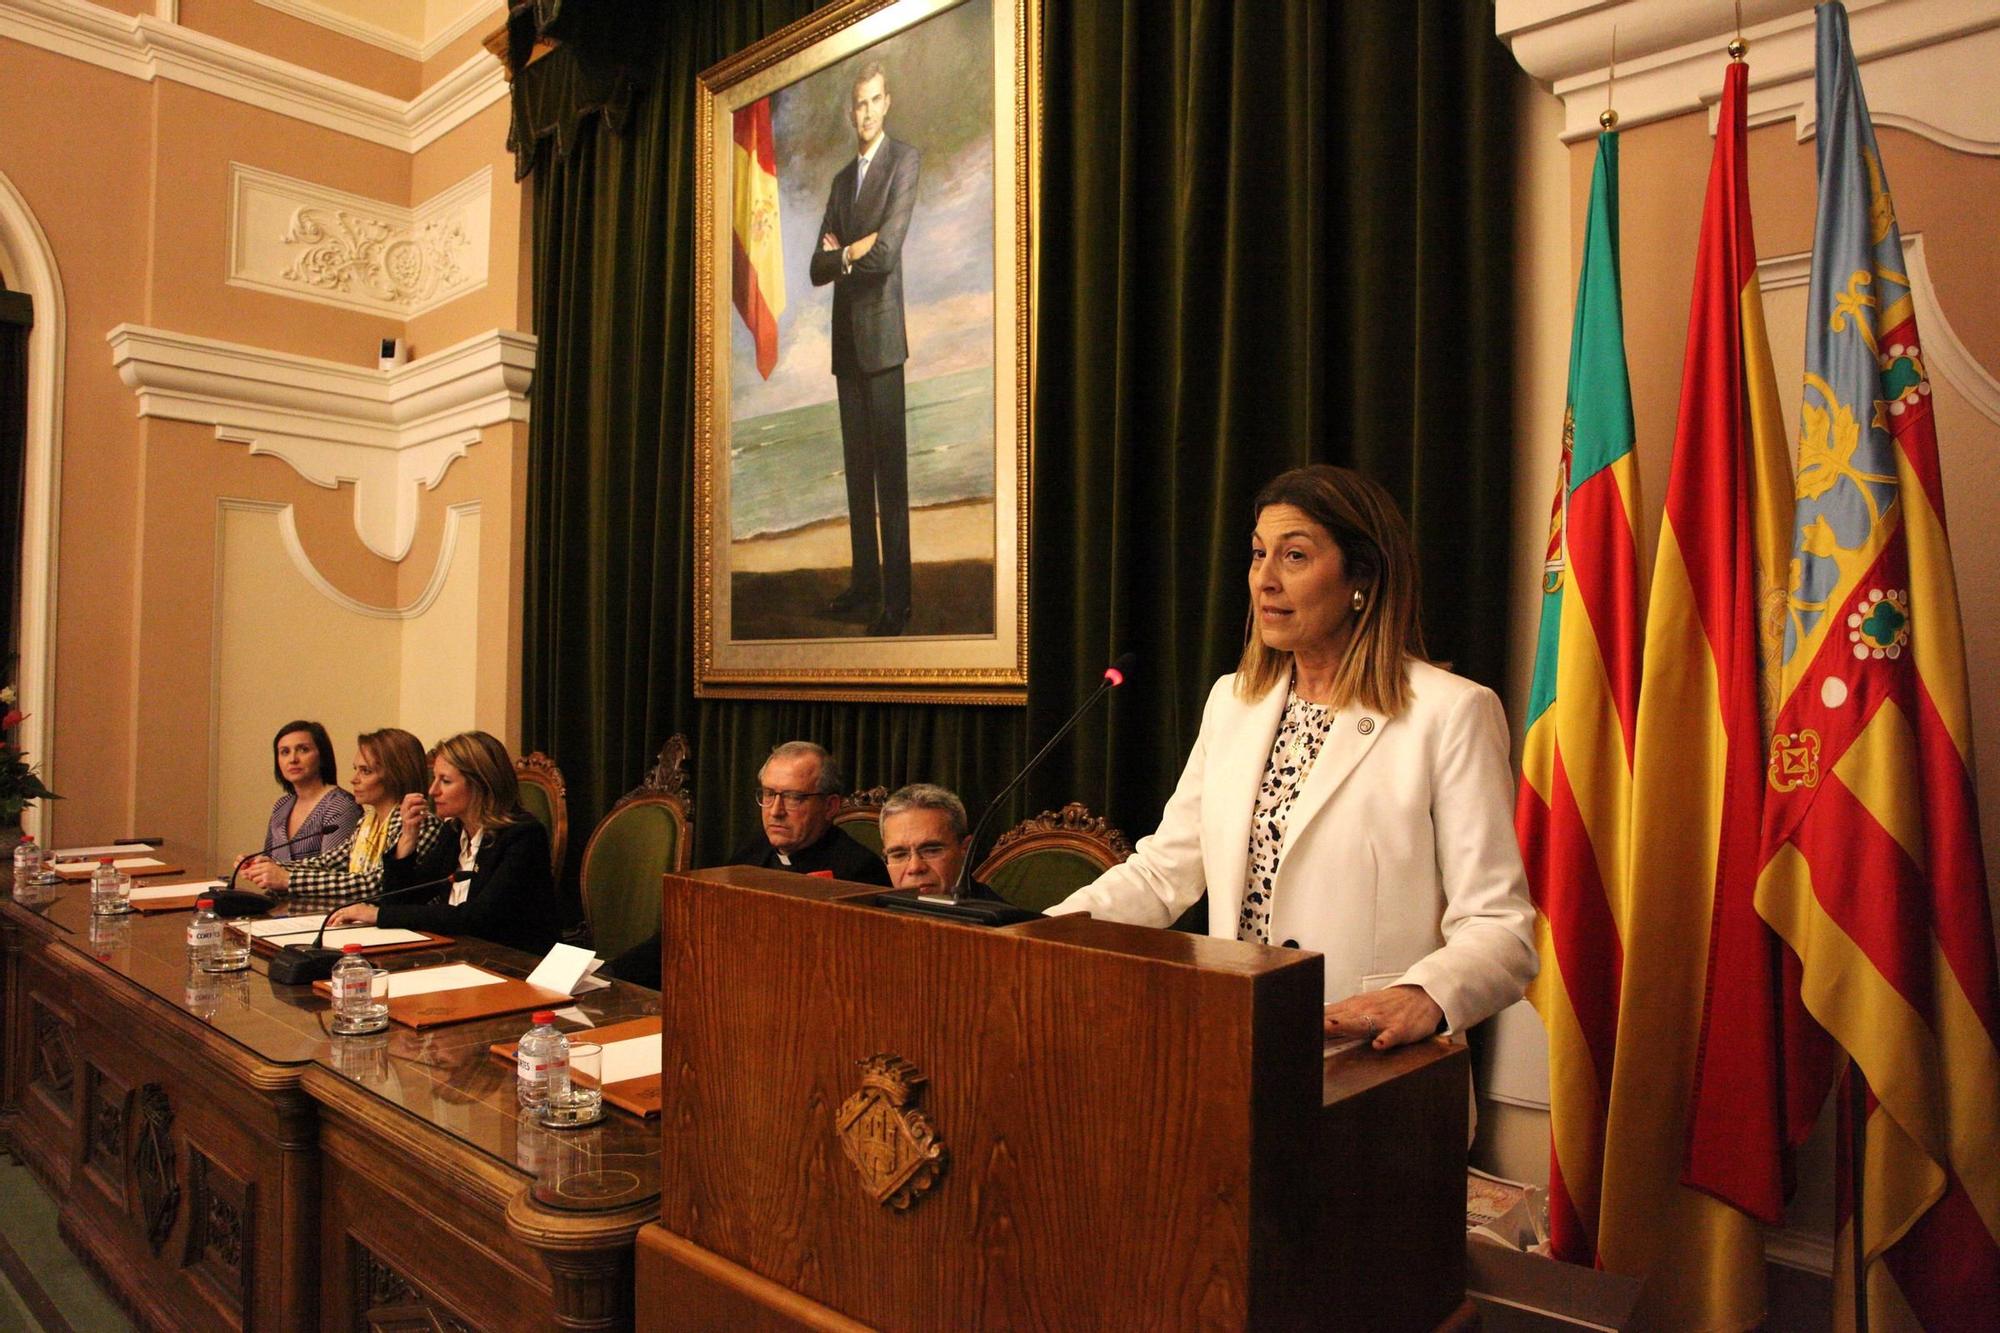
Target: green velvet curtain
<point x="1271" y="233"/>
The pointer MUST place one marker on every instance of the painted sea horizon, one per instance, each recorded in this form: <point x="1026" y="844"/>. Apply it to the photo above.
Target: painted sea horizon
<point x="786" y="471"/>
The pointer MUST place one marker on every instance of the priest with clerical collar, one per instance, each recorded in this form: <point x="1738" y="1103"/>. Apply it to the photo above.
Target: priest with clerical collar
<point x="798" y="794"/>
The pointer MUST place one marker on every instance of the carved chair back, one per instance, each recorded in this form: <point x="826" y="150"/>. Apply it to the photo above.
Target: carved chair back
<point x="547" y="799"/>
<point x="1041" y="861"/>
<point x="648" y="833"/>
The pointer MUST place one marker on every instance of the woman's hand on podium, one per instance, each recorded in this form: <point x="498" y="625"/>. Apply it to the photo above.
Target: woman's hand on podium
<point x="354" y="914"/>
<point x="1385" y="1018"/>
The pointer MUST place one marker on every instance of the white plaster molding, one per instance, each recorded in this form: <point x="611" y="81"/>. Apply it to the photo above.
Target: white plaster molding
<point x="29" y="262"/>
<point x="288" y="533"/>
<point x="1946" y="357"/>
<point x="146" y="47"/>
<point x="167" y="11"/>
<point x="388" y="433"/>
<point x="374" y="34"/>
<point x="1671" y="60"/>
<point x="294" y="238"/>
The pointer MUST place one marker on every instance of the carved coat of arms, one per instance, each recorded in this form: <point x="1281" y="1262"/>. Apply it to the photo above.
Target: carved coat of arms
<point x="889" y="1141"/>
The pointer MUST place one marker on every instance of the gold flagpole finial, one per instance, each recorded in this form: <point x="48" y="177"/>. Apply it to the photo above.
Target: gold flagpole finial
<point x="1738" y="48"/>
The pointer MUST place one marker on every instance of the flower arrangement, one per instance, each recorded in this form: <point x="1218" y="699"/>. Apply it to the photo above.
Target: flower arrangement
<point x="19" y="783"/>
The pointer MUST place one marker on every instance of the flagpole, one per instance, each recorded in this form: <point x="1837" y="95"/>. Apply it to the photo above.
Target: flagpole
<point x="1857" y="1140"/>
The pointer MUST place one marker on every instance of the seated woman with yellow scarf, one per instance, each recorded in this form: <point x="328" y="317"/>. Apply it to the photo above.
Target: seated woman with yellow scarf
<point x="388" y="764"/>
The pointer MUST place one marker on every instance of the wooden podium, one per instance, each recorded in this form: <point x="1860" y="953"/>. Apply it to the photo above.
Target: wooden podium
<point x="875" y="1120"/>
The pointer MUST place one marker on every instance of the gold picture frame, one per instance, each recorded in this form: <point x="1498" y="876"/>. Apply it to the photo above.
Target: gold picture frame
<point x="806" y="344"/>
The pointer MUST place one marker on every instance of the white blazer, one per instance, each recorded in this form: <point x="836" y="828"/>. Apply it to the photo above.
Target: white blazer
<point x="1399" y="862"/>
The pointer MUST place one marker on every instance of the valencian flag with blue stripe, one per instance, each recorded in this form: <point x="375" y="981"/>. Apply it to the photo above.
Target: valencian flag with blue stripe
<point x="1698" y="771"/>
<point x="1576" y="768"/>
<point x="1872" y="869"/>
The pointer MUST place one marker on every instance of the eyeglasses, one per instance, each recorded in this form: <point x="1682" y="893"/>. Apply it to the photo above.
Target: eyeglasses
<point x="788" y="800"/>
<point x="927" y="851"/>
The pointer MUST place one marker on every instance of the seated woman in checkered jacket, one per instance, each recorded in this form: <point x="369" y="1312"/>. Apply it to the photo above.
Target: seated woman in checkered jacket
<point x="388" y="764"/>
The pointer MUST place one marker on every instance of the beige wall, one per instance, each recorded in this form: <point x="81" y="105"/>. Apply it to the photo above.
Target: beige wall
<point x="179" y="624"/>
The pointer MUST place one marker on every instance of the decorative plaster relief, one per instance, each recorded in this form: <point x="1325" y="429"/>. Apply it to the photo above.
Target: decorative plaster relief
<point x="1945" y="355"/>
<point x="389" y="432"/>
<point x="148" y="47"/>
<point x="1671" y="58"/>
<point x="295" y="238"/>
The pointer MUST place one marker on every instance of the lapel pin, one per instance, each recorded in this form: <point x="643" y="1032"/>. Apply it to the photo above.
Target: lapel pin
<point x="1366" y="726"/>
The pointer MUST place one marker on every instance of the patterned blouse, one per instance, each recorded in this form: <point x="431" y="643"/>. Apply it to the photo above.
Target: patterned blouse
<point x="1301" y="735"/>
<point x="327" y="824"/>
<point x="332" y="879"/>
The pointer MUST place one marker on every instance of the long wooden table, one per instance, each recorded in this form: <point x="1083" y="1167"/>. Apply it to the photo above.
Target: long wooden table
<point x="224" y="1162"/>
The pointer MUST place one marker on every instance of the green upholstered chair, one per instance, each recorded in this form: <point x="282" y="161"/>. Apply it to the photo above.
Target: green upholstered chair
<point x="648" y="833"/>
<point x="860" y="817"/>
<point x="1041" y="861"/>
<point x="545" y="797"/>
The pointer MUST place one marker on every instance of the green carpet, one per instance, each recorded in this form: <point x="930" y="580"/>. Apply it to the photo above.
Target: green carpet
<point x="42" y="1285"/>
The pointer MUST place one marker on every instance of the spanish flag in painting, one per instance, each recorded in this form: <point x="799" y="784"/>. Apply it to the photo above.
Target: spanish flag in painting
<point x="1872" y="866"/>
<point x="759" y="283"/>
<point x="1574" y="808"/>
<point x="1698" y="775"/>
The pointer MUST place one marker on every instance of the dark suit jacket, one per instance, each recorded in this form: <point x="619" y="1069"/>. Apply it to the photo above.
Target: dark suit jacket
<point x="868" y="332"/>
<point x="512" y="897"/>
<point x="835" y="853"/>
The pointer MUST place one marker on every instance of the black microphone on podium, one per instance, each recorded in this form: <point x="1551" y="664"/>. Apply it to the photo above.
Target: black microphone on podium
<point x="231" y="901"/>
<point x="961" y="906"/>
<point x="297" y="964"/>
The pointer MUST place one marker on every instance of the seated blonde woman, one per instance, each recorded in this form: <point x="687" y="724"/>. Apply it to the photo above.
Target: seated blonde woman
<point x="388" y="765"/>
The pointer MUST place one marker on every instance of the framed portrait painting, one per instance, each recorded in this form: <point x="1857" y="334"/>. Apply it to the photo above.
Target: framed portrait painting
<point x="863" y="236"/>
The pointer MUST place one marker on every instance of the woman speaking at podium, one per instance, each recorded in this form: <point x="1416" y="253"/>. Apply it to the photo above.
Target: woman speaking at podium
<point x="1344" y="795"/>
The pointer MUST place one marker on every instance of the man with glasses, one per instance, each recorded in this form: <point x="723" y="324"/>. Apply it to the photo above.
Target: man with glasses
<point x="797" y="795"/>
<point x="924" y="840"/>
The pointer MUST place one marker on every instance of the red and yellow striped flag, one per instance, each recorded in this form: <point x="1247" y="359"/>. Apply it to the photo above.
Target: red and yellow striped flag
<point x="759" y="285"/>
<point x="1698" y="771"/>
<point x="1576" y="766"/>
<point x="1873" y="869"/>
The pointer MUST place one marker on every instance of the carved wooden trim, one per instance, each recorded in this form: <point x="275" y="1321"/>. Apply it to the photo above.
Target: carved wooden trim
<point x="862" y="806"/>
<point x="55" y="1050"/>
<point x="222" y="1228"/>
<point x="155" y="1166"/>
<point x="387" y="1302"/>
<point x="1072" y="829"/>
<point x="669" y="776"/>
<point x="539" y="769"/>
<point x="107" y="1109"/>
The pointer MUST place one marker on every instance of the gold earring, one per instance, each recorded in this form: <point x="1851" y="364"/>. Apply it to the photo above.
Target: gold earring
<point x="1359" y="600"/>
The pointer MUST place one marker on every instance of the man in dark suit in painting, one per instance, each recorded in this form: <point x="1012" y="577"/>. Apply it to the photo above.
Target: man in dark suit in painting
<point x="861" y="253"/>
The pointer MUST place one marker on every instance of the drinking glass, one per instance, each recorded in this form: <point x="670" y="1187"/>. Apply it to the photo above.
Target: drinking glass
<point x="582" y="1102"/>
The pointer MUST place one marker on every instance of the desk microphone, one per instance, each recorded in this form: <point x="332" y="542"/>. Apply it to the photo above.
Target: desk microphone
<point x="297" y="964"/>
<point x="961" y="905"/>
<point x="230" y="901"/>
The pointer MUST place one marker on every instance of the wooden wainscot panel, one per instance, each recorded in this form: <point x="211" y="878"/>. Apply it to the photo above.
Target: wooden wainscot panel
<point x="38" y="1082"/>
<point x="402" y="1200"/>
<point x="199" y="1194"/>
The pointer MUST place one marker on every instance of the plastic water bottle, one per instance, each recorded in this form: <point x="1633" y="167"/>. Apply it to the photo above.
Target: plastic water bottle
<point x="352" y="984"/>
<point x="541" y="1065"/>
<point x="104" y="887"/>
<point x="204" y="932"/>
<point x="27" y="863"/>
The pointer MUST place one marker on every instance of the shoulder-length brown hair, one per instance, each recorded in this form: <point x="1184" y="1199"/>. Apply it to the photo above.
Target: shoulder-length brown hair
<point x="329" y="772"/>
<point x="398" y="757"/>
<point x="1375" y="544"/>
<point x="489" y="770"/>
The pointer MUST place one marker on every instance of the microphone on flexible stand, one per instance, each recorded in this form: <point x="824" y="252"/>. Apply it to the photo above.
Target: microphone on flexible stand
<point x="961" y="906"/>
<point x="231" y="901"/>
<point x="297" y="964"/>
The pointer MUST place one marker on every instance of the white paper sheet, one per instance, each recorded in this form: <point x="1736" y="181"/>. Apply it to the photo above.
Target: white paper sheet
<point x="277" y="925"/>
<point x="565" y="966"/>
<point x="152" y="892"/>
<point x="366" y="936"/>
<point x="428" y="980"/>
<point x="108" y="849"/>
<point x="634" y="1057"/>
<point x="123" y="863"/>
